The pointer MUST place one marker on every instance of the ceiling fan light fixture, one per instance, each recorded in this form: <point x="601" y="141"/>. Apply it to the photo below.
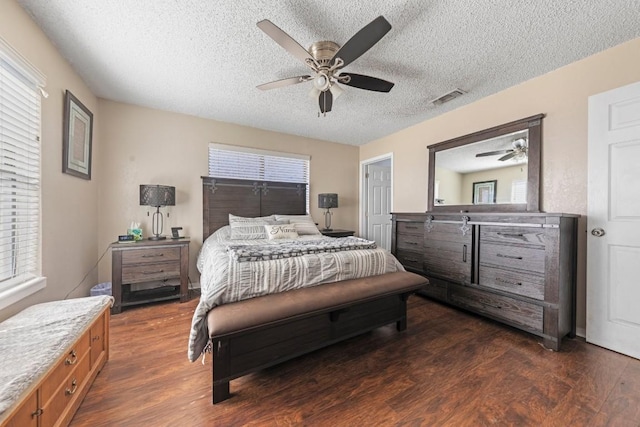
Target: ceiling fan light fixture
<point x="321" y="82"/>
<point x="336" y="90"/>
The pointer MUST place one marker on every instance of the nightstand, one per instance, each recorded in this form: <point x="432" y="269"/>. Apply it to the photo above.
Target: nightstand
<point x="147" y="261"/>
<point x="337" y="233"/>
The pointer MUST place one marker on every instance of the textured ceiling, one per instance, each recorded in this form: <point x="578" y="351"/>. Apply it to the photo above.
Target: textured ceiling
<point x="205" y="58"/>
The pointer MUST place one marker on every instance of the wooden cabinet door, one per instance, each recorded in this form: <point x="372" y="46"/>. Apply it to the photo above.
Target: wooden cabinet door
<point x="448" y="253"/>
<point x="27" y="413"/>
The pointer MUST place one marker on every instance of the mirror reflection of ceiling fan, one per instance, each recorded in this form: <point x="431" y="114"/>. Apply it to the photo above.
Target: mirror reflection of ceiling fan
<point x="518" y="152"/>
<point x="326" y="59"/>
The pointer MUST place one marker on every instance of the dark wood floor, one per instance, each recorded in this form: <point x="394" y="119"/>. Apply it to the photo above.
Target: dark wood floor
<point x="447" y="368"/>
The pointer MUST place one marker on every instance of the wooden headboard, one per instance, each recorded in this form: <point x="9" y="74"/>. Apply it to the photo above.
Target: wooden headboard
<point x="248" y="198"/>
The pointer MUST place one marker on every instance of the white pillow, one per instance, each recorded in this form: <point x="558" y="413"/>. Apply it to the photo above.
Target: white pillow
<point x="249" y="228"/>
<point x="304" y="224"/>
<point x="281" y="231"/>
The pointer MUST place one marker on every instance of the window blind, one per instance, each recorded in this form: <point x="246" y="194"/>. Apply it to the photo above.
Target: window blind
<point x="519" y="191"/>
<point x="20" y="103"/>
<point x="229" y="161"/>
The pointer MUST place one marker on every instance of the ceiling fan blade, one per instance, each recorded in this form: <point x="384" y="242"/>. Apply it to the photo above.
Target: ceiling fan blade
<point x="363" y="40"/>
<point x="284" y="82"/>
<point x="368" y="83"/>
<point x="508" y="156"/>
<point x="326" y="101"/>
<point x="284" y="40"/>
<point x="493" y="153"/>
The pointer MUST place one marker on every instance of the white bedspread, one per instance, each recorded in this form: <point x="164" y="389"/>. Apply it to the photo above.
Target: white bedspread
<point x="223" y="281"/>
<point x="32" y="340"/>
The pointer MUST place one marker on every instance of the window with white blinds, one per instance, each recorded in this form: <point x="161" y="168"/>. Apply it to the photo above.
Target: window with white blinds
<point x="519" y="191"/>
<point x="20" y="101"/>
<point x="229" y="161"/>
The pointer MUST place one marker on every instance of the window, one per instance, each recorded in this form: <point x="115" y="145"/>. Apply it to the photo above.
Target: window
<point x="229" y="161"/>
<point x="20" y="99"/>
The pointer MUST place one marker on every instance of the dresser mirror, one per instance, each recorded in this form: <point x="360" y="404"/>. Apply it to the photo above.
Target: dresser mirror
<point x="494" y="170"/>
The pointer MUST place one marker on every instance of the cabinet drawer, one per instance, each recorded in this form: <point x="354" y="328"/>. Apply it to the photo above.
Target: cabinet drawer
<point x="527" y="284"/>
<point x="508" y="256"/>
<point x="74" y="383"/>
<point x="65" y="366"/>
<point x="410" y="242"/>
<point x="409" y="259"/>
<point x="23" y="416"/>
<point x="148" y="272"/>
<point x="497" y="306"/>
<point x="150" y="255"/>
<point x="416" y="228"/>
<point x="529" y="236"/>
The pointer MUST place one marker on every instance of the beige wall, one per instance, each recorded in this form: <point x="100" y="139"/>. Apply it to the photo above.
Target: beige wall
<point x="562" y="95"/>
<point x="69" y="204"/>
<point x="504" y="176"/>
<point x="145" y="146"/>
<point x="450" y="186"/>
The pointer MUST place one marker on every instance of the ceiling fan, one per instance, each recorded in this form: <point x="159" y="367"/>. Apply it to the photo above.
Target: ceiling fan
<point x="518" y="152"/>
<point x="326" y="59"/>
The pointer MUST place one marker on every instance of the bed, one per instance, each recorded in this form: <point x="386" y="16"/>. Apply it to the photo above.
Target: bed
<point x="261" y="302"/>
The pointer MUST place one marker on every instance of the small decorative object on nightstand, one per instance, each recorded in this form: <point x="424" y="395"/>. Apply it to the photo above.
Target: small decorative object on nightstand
<point x="327" y="201"/>
<point x="337" y="233"/>
<point x="148" y="261"/>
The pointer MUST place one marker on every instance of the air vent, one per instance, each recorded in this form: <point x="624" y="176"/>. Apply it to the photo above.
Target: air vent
<point x="448" y="96"/>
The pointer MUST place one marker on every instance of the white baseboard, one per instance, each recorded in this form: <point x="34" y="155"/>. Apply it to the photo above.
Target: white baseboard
<point x="581" y="332"/>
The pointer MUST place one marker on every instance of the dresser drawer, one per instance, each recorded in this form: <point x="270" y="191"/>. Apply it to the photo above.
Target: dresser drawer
<point x="65" y="366"/>
<point x="410" y="242"/>
<point x="410" y="259"/>
<point x="150" y="255"/>
<point x="512" y="257"/>
<point x="500" y="307"/>
<point x="148" y="272"/>
<point x="526" y="284"/>
<point x="529" y="236"/>
<point x="416" y="228"/>
<point x="74" y="383"/>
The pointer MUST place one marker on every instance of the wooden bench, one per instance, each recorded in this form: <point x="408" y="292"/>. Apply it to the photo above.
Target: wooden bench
<point x="257" y="333"/>
<point x="51" y="354"/>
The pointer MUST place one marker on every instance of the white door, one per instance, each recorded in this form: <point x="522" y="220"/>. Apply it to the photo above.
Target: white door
<point x="378" y="214"/>
<point x="613" y="224"/>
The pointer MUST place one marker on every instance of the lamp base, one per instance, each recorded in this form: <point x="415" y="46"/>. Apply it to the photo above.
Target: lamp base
<point x="157" y="237"/>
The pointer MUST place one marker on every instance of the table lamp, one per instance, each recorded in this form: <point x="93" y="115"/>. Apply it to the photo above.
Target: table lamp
<point x="327" y="201"/>
<point x="157" y="196"/>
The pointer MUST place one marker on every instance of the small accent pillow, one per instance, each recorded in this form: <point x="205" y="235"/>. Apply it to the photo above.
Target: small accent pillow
<point x="304" y="224"/>
<point x="249" y="228"/>
<point x="280" y="232"/>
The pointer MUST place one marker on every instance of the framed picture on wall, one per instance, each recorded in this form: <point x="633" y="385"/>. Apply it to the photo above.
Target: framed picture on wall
<point x="484" y="192"/>
<point x="76" y="138"/>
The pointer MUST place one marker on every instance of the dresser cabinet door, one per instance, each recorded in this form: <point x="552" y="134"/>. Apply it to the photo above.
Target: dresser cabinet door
<point x="448" y="253"/>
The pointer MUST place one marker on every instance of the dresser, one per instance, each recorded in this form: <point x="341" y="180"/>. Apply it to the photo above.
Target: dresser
<point x="149" y="261"/>
<point x="516" y="268"/>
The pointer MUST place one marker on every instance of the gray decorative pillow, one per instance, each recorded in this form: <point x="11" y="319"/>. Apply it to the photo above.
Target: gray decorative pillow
<point x="249" y="228"/>
<point x="304" y="224"/>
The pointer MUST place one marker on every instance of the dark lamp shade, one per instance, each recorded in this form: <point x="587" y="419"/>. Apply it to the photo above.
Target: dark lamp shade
<point x="157" y="195"/>
<point x="327" y="200"/>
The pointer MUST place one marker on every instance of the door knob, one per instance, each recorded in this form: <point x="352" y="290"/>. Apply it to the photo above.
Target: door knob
<point x="598" y="232"/>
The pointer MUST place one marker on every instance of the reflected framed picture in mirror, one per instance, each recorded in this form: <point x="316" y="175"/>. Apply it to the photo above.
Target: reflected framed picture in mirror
<point x="484" y="192"/>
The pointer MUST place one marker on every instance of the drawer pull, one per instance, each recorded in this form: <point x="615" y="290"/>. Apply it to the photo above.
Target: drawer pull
<point x="508" y="256"/>
<point x="507" y="282"/>
<point x="411" y="259"/>
<point x="72" y="359"/>
<point x="96" y="338"/>
<point x="411" y="227"/>
<point x="152" y="256"/>
<point x="72" y="390"/>
<point x="153" y="272"/>
<point x="499" y="307"/>
<point x="511" y="234"/>
<point x="37" y="413"/>
<point x="464" y="253"/>
<point x="412" y="243"/>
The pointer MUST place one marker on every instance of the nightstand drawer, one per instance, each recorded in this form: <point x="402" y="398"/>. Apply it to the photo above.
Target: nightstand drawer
<point x="150" y="255"/>
<point x="148" y="272"/>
